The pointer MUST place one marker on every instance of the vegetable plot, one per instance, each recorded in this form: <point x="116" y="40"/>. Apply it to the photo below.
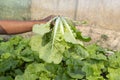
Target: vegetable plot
<point x="56" y="52"/>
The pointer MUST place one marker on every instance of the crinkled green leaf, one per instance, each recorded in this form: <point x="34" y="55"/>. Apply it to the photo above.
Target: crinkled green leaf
<point x="35" y="42"/>
<point x="43" y="76"/>
<point x="27" y="55"/>
<point x="75" y="72"/>
<point x="96" y="52"/>
<point x="81" y="37"/>
<point x="11" y="45"/>
<point x="35" y="71"/>
<point x="95" y="78"/>
<point x="61" y="73"/>
<point x="76" y="75"/>
<point x="6" y="78"/>
<point x="7" y="64"/>
<point x="69" y="36"/>
<point x="88" y="69"/>
<point x="26" y="76"/>
<point x="77" y="32"/>
<point x="35" y="68"/>
<point x="114" y="60"/>
<point x="41" y="29"/>
<point x="114" y="74"/>
<point x="53" y="68"/>
<point x="5" y="56"/>
<point x="92" y="49"/>
<point x="51" y="53"/>
<point x="18" y="71"/>
<point x="63" y="76"/>
<point x="93" y="69"/>
<point x="45" y="51"/>
<point x="74" y="69"/>
<point x="78" y="52"/>
<point x="98" y="57"/>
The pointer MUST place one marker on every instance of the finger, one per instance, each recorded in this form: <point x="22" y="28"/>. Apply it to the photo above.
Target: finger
<point x="49" y="17"/>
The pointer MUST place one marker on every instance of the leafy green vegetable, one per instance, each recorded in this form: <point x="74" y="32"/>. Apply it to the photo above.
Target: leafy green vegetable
<point x="61" y="35"/>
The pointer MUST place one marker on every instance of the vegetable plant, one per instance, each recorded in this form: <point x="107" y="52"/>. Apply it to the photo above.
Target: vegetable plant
<point x="57" y="40"/>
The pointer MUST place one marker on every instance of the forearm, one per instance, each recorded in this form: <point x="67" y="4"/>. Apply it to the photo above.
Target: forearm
<point x="14" y="27"/>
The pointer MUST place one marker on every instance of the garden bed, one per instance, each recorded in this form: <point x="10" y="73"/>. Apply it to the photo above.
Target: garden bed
<point x="57" y="52"/>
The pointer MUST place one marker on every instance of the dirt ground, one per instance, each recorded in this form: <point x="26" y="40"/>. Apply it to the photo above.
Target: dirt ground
<point x="104" y="37"/>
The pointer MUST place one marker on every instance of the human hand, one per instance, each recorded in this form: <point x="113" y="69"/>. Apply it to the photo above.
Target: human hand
<point x="48" y="18"/>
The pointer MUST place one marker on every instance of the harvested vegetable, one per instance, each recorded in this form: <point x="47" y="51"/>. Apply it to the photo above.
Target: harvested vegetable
<point x="57" y="40"/>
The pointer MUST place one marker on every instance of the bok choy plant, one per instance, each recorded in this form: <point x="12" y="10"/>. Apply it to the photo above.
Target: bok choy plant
<point x="55" y="40"/>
